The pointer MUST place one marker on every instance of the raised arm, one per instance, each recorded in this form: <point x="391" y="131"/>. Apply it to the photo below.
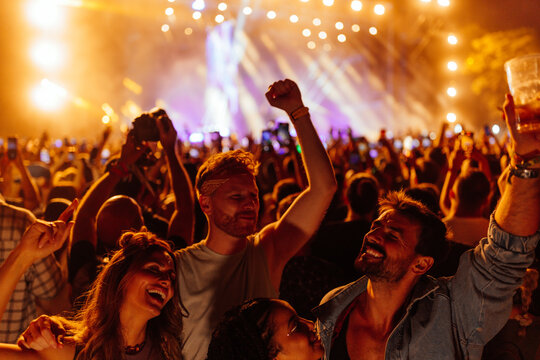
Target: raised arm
<point x="85" y="218"/>
<point x="518" y="212"/>
<point x="182" y="222"/>
<point x="285" y="237"/>
<point x="487" y="278"/>
<point x="38" y="241"/>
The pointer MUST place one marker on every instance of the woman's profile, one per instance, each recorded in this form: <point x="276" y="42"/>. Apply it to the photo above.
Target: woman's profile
<point x="264" y="329"/>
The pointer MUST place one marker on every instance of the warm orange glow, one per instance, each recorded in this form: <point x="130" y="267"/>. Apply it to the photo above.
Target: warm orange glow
<point x="132" y="86"/>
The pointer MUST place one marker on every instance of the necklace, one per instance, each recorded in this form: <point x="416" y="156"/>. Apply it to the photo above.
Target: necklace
<point x="135" y="349"/>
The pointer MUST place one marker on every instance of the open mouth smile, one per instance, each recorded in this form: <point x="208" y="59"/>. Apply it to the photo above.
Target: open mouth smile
<point x="157" y="294"/>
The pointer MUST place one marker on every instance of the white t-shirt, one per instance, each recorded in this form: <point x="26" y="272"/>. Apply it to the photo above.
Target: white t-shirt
<point x="211" y="283"/>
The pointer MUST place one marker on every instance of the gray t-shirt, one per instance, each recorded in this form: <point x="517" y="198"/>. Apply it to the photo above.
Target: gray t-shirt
<point x="211" y="283"/>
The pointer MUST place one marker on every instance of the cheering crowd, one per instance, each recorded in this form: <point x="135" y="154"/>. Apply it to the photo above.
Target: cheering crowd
<point x="287" y="248"/>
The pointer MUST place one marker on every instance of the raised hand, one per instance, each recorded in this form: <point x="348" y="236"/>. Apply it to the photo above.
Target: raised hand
<point x="167" y="133"/>
<point x="285" y="95"/>
<point x="131" y="150"/>
<point x="43" y="238"/>
<point x="522" y="143"/>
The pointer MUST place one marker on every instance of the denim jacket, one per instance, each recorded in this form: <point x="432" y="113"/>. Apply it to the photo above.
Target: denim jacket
<point x="448" y="318"/>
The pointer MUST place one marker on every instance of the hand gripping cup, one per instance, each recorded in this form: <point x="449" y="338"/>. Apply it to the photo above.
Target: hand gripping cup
<point x="523" y="74"/>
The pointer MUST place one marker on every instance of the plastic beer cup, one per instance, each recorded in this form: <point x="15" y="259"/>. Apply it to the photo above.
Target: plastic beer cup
<point x="523" y="74"/>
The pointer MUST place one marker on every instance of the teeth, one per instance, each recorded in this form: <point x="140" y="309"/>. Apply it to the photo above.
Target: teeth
<point x="373" y="253"/>
<point x="161" y="294"/>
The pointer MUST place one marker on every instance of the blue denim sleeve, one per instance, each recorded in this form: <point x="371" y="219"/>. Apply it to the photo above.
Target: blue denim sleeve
<point x="482" y="289"/>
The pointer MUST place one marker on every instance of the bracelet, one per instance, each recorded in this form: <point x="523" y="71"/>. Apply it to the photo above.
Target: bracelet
<point x="298" y="113"/>
<point x="522" y="173"/>
<point x="119" y="169"/>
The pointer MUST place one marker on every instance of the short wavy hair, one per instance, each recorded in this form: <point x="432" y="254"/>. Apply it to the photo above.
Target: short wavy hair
<point x="225" y="164"/>
<point x="432" y="240"/>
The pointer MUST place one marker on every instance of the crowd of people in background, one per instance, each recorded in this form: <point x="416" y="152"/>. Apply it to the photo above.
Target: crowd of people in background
<point x="155" y="247"/>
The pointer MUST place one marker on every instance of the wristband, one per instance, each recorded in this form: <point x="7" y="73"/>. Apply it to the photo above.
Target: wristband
<point x="522" y="173"/>
<point x="298" y="113"/>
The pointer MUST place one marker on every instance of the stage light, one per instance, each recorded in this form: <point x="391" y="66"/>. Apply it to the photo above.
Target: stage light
<point x="48" y="55"/>
<point x="107" y="109"/>
<point x="458" y="129"/>
<point x="304" y="1"/>
<point x="198" y="5"/>
<point x="171" y="1"/>
<point x="306" y="32"/>
<point x="451" y="117"/>
<point x="196" y="137"/>
<point x="373" y="30"/>
<point x="197" y="15"/>
<point x="188" y="31"/>
<point x="317" y="22"/>
<point x="356" y="5"/>
<point x="311" y="45"/>
<point x="271" y="14"/>
<point x="45" y="14"/>
<point x="327" y="47"/>
<point x="339" y="25"/>
<point x="452" y="39"/>
<point x="247" y="10"/>
<point x="169" y="11"/>
<point x="495" y="129"/>
<point x="443" y="3"/>
<point x="222" y="6"/>
<point x="342" y="38"/>
<point x="293" y="19"/>
<point x="49" y="96"/>
<point x="164" y="27"/>
<point x="105" y="119"/>
<point x="451" y="91"/>
<point x="328" y="2"/>
<point x="452" y="66"/>
<point x="219" y="18"/>
<point x="322" y="35"/>
<point x="379" y="9"/>
<point x="355" y="28"/>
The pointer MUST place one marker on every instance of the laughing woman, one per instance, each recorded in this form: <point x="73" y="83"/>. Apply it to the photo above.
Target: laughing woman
<point x="133" y="310"/>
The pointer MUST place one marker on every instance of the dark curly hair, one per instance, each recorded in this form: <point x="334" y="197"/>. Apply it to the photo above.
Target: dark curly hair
<point x="245" y="333"/>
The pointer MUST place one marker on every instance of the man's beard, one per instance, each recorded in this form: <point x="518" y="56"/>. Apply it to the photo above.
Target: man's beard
<point x="385" y="270"/>
<point x="235" y="226"/>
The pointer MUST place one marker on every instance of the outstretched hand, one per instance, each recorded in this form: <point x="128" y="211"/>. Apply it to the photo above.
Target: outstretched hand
<point x="523" y="143"/>
<point x="285" y="95"/>
<point x="43" y="238"/>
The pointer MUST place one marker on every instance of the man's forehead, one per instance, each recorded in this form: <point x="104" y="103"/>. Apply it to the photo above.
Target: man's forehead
<point x="396" y="219"/>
